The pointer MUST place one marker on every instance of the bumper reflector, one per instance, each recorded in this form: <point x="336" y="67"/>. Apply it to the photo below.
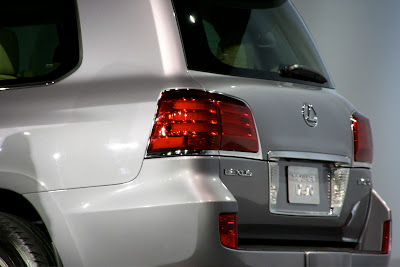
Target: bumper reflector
<point x="228" y="230"/>
<point x="386" y="237"/>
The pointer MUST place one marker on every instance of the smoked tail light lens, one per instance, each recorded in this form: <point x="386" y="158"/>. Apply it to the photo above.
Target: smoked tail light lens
<point x="199" y="120"/>
<point x="363" y="146"/>
<point x="228" y="230"/>
<point x="386" y="237"/>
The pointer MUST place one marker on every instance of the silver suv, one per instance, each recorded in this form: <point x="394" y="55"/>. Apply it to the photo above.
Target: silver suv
<point x="178" y="133"/>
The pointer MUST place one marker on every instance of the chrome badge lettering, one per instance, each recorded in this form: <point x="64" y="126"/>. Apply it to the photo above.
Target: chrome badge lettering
<point x="363" y="181"/>
<point x="233" y="172"/>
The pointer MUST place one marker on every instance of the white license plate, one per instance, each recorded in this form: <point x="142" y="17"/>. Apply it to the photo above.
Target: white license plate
<point x="303" y="185"/>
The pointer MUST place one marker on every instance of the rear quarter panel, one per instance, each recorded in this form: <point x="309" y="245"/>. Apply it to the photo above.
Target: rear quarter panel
<point x="92" y="128"/>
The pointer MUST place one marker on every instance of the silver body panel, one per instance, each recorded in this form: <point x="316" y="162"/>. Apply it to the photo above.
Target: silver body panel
<point x="76" y="150"/>
<point x="108" y="104"/>
<point x="168" y="221"/>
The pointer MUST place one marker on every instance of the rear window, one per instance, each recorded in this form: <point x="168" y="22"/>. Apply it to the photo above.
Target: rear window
<point x="256" y="39"/>
<point x="38" y="41"/>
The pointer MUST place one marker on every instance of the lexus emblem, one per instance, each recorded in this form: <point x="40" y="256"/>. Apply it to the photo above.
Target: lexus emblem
<point x="309" y="115"/>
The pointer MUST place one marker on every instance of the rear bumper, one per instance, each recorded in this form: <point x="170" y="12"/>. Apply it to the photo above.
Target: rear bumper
<point x="309" y="259"/>
<point x="167" y="216"/>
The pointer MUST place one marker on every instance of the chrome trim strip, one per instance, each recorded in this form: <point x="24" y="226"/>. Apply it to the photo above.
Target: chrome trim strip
<point x="307" y="259"/>
<point x="239" y="154"/>
<point x="331" y="213"/>
<point x="357" y="164"/>
<point x="276" y="155"/>
<point x="222" y="153"/>
<point x="178" y="153"/>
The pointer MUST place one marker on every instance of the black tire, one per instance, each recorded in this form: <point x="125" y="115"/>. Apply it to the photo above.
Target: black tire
<point x="23" y="244"/>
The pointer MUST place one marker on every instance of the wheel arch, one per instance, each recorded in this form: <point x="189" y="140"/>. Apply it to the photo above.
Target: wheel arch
<point x="16" y="204"/>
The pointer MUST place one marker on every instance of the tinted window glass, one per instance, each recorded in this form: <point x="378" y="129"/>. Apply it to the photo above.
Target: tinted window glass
<point x="247" y="38"/>
<point x="38" y="41"/>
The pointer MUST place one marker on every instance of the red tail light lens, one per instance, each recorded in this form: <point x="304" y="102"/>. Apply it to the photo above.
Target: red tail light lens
<point x="198" y="120"/>
<point x="363" y="147"/>
<point x="228" y="230"/>
<point x="386" y="237"/>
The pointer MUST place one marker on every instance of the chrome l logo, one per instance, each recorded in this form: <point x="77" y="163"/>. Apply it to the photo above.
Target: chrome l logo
<point x="309" y="115"/>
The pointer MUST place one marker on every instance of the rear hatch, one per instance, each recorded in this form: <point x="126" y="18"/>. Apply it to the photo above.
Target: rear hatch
<point x="298" y="190"/>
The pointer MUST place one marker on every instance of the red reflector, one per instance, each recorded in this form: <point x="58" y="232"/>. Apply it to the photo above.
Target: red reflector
<point x="386" y="237"/>
<point x="228" y="230"/>
<point x="198" y="120"/>
<point x="363" y="146"/>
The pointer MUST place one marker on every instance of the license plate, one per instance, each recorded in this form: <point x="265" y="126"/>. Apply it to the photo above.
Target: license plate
<point x="303" y="185"/>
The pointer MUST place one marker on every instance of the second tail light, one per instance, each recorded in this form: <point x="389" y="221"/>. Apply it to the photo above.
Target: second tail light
<point x="363" y="146"/>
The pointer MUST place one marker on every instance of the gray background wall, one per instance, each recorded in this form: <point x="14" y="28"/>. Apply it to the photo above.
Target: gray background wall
<point x="360" y="43"/>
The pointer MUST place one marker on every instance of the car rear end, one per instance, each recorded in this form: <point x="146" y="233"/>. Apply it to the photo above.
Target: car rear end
<point x="243" y="156"/>
<point x="294" y="154"/>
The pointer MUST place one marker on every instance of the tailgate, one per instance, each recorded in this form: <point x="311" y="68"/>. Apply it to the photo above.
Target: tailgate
<point x="302" y="191"/>
<point x="278" y="112"/>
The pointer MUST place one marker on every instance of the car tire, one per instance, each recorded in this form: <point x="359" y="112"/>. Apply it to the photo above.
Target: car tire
<point x="23" y="244"/>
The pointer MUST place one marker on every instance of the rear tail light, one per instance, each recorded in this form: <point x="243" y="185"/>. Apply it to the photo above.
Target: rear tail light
<point x="386" y="237"/>
<point x="228" y="230"/>
<point x="198" y="120"/>
<point x="363" y="147"/>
